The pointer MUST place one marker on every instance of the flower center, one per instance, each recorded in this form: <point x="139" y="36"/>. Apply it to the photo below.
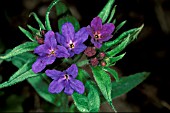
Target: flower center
<point x="66" y="76"/>
<point x="97" y="35"/>
<point x="71" y="45"/>
<point x="52" y="52"/>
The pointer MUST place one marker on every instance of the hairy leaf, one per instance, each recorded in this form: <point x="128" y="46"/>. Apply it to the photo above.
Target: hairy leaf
<point x="27" y="33"/>
<point x="112" y="72"/>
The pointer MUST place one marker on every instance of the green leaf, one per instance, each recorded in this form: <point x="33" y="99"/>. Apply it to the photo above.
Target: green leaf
<point x="126" y="84"/>
<point x="93" y="97"/>
<point x="18" y="79"/>
<point x="38" y="20"/>
<point x="91" y="103"/>
<point x="119" y="48"/>
<point x="41" y="86"/>
<point x="120" y="26"/>
<point x="112" y="14"/>
<point x="27" y="33"/>
<point x="82" y="63"/>
<point x="132" y="33"/>
<point x="27" y="46"/>
<point x="61" y="8"/>
<point x="34" y="30"/>
<point x="112" y="72"/>
<point x="47" y="21"/>
<point x="82" y="75"/>
<point x="27" y="66"/>
<point x="81" y="102"/>
<point x="111" y="60"/>
<point x="106" y="11"/>
<point x="104" y="83"/>
<point x="71" y="19"/>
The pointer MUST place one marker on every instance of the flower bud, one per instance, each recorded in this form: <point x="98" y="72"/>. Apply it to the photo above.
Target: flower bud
<point x="90" y="51"/>
<point x="103" y="63"/>
<point x="94" y="61"/>
<point x="101" y="55"/>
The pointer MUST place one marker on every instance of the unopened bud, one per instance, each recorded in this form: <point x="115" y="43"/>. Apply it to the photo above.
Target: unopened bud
<point x="94" y="61"/>
<point x="90" y="51"/>
<point x="101" y="55"/>
<point x="103" y="63"/>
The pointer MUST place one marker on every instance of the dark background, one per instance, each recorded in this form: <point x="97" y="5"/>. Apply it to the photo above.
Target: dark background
<point x="150" y="52"/>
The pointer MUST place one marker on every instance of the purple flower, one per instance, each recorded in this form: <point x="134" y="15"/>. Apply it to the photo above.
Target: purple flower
<point x="100" y="33"/>
<point x="65" y="80"/>
<point x="71" y="40"/>
<point x="48" y="52"/>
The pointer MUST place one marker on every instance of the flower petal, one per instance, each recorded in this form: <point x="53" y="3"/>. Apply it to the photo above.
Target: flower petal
<point x="68" y="31"/>
<point x="56" y="86"/>
<point x="61" y="40"/>
<point x="96" y="23"/>
<point x="41" y="50"/>
<point x="81" y="36"/>
<point x="103" y="39"/>
<point x="77" y="86"/>
<point x="50" y="39"/>
<point x="68" y="90"/>
<point x="79" y="48"/>
<point x="72" y="70"/>
<point x="54" y="74"/>
<point x="96" y="44"/>
<point x="49" y="60"/>
<point x="90" y="31"/>
<point x="107" y="28"/>
<point x="38" y="65"/>
<point x="62" y="52"/>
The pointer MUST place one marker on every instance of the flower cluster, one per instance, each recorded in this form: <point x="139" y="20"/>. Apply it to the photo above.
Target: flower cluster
<point x="66" y="45"/>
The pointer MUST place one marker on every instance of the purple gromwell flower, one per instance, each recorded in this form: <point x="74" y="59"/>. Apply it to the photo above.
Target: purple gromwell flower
<point x="48" y="52"/>
<point x="65" y="80"/>
<point x="100" y="33"/>
<point x="71" y="40"/>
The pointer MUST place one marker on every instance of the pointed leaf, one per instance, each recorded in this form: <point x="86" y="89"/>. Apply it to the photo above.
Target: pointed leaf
<point x="111" y="60"/>
<point x="34" y="30"/>
<point x="120" y="26"/>
<point x="93" y="97"/>
<point x="126" y="84"/>
<point x="81" y="102"/>
<point x="112" y="72"/>
<point x="27" y="46"/>
<point x="27" y="66"/>
<point x="27" y="33"/>
<point x="82" y="63"/>
<point x="47" y="21"/>
<point x="103" y="81"/>
<point x="112" y="14"/>
<point x="38" y="20"/>
<point x="106" y="10"/>
<point x="119" y="48"/>
<point x="71" y="19"/>
<point x="20" y="78"/>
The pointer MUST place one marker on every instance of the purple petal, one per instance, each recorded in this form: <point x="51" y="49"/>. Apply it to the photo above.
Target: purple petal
<point x="49" y="60"/>
<point x="68" y="90"/>
<point x="96" y="44"/>
<point x="62" y="52"/>
<point x="56" y="86"/>
<point x="107" y="28"/>
<point x="96" y="23"/>
<point x="68" y="31"/>
<point x="71" y="53"/>
<point x="50" y="39"/>
<point x="41" y="50"/>
<point x="72" y="70"/>
<point x="90" y="31"/>
<point x="77" y="86"/>
<point x="103" y="39"/>
<point x="81" y="35"/>
<point x="54" y="74"/>
<point x="79" y="48"/>
<point x="38" y="65"/>
<point x="61" y="40"/>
